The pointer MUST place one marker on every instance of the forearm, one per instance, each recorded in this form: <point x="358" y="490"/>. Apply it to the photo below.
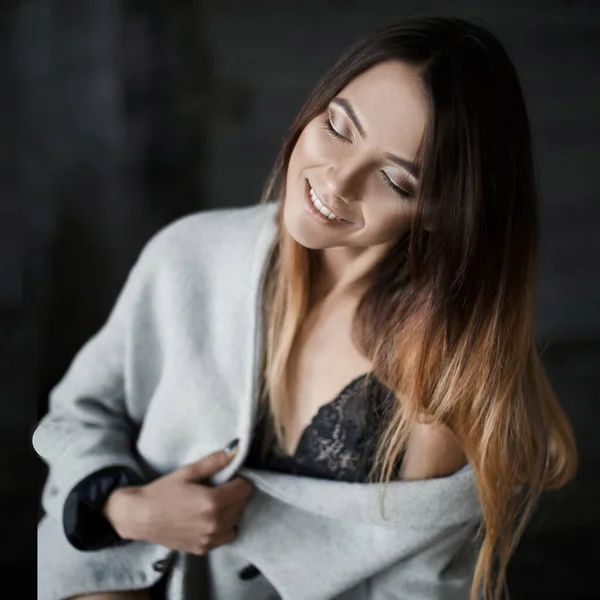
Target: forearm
<point x="122" y="510"/>
<point x="96" y="514"/>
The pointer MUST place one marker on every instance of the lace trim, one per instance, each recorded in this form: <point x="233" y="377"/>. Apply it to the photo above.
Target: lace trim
<point x="339" y="440"/>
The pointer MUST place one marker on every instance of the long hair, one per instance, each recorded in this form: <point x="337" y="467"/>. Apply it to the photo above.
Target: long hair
<point x="448" y="316"/>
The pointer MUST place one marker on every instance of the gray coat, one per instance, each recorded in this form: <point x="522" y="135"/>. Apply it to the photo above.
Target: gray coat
<point x="170" y="378"/>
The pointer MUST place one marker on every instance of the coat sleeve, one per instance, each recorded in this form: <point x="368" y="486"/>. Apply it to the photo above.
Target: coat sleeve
<point x="88" y="426"/>
<point x="85" y="525"/>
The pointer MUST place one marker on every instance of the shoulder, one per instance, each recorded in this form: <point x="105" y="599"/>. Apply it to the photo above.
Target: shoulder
<point x="218" y="234"/>
<point x="203" y="230"/>
<point x="208" y="253"/>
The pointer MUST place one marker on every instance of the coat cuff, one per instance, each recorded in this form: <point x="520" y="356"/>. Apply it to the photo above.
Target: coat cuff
<point x="85" y="527"/>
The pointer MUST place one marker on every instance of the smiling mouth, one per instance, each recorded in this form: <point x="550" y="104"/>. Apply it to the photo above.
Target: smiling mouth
<point x="324" y="210"/>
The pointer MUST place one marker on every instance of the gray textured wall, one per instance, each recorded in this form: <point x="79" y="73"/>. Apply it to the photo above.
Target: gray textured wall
<point x="118" y="116"/>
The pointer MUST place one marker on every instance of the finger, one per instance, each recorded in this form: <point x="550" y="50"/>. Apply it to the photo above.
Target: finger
<point x="224" y="537"/>
<point x="205" y="467"/>
<point x="231" y="517"/>
<point x="237" y="490"/>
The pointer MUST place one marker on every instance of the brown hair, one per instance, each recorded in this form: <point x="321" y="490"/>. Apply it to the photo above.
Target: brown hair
<point x="448" y="316"/>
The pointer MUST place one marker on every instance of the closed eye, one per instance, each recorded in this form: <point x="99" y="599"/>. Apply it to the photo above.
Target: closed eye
<point x="329" y="128"/>
<point x="398" y="190"/>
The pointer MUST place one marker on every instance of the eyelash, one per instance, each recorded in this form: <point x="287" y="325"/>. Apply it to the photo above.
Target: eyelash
<point x="332" y="132"/>
<point x="328" y="127"/>
<point x="395" y="188"/>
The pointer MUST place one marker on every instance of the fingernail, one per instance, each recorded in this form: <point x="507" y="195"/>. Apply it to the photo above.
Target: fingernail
<point x="232" y="445"/>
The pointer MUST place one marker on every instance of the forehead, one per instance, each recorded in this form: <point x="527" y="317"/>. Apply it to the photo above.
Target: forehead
<point x="389" y="101"/>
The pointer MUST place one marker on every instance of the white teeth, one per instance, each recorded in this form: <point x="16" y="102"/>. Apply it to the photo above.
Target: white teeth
<point x="322" y="209"/>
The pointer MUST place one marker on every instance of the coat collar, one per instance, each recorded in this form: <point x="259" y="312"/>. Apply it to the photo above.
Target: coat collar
<point x="445" y="501"/>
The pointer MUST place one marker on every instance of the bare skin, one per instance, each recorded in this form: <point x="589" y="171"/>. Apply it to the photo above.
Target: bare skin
<point x="431" y="451"/>
<point x="316" y="376"/>
<point x="348" y="174"/>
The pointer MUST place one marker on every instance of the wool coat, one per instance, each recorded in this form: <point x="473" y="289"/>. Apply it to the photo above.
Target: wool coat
<point x="171" y="377"/>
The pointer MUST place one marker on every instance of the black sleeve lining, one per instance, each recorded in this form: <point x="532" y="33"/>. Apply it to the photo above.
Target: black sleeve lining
<point x="84" y="525"/>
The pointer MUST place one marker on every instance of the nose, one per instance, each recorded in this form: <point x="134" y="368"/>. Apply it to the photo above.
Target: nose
<point x="342" y="178"/>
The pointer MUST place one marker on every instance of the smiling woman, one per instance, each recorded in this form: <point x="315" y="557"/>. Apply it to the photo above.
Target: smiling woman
<point x="362" y="146"/>
<point x="418" y="137"/>
<point x="366" y="327"/>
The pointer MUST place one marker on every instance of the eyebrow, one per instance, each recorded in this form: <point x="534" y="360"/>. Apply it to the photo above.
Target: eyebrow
<point x="411" y="167"/>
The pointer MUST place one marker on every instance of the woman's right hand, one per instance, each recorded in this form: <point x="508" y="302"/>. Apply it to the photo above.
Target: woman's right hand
<point x="178" y="511"/>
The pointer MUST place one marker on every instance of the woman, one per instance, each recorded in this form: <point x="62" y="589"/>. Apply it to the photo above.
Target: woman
<point x="374" y="311"/>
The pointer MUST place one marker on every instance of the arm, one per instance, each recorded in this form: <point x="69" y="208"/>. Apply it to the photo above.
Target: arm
<point x="432" y="451"/>
<point x="88" y="426"/>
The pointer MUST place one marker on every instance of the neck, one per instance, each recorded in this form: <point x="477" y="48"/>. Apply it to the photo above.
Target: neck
<point x="344" y="271"/>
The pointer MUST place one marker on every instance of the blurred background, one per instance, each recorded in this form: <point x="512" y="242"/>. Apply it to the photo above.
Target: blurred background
<point x="118" y="116"/>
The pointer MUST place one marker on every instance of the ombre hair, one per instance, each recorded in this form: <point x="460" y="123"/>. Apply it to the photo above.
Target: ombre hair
<point x="448" y="316"/>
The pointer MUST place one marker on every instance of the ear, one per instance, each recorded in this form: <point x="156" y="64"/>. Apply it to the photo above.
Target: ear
<point x="430" y="225"/>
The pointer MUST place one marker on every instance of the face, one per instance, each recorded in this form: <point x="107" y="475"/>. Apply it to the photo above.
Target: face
<point x="357" y="160"/>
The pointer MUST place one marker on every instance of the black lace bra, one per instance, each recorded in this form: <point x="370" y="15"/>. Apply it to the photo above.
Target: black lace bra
<point x="338" y="443"/>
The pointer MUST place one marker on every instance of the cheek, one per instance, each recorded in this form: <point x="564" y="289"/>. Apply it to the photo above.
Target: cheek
<point x="389" y="221"/>
<point x="312" y="147"/>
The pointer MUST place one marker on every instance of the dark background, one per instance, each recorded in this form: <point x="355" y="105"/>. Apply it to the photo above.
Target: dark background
<point x="117" y="117"/>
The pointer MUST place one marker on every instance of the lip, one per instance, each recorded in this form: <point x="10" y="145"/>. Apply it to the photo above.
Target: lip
<point x="310" y="207"/>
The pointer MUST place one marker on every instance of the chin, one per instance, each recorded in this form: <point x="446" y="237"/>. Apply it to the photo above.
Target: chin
<point x="298" y="226"/>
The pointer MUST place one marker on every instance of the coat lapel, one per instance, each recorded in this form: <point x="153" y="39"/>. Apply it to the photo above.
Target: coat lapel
<point x="250" y="345"/>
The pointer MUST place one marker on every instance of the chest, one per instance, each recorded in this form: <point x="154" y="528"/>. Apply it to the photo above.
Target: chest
<point x="323" y="362"/>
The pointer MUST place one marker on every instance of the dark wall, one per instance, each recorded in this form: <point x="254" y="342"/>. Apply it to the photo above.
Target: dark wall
<point x="119" y="116"/>
<point x="275" y="54"/>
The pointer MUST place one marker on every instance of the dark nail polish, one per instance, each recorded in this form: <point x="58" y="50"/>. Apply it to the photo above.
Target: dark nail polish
<point x="231" y="446"/>
<point x="248" y="572"/>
